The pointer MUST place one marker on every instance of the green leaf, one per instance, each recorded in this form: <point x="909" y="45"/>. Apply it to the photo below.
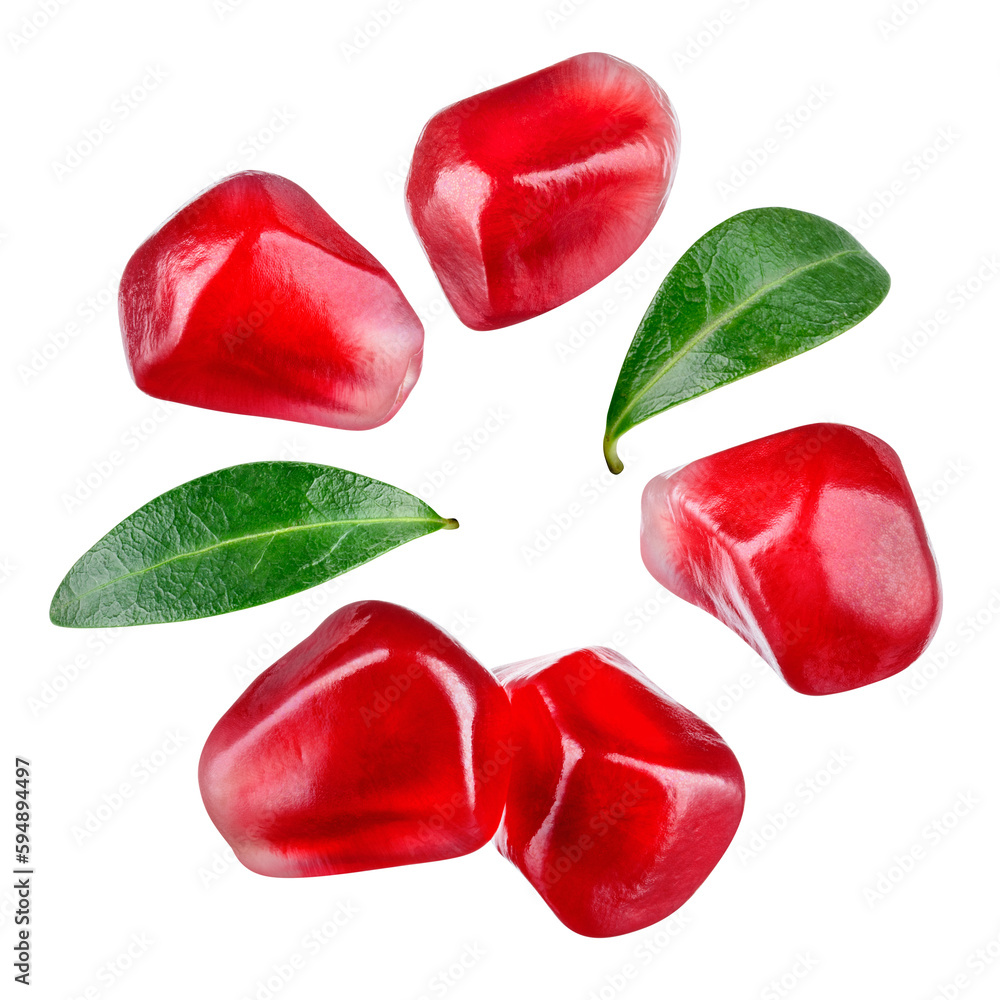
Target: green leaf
<point x="236" y="538"/>
<point x="759" y="288"/>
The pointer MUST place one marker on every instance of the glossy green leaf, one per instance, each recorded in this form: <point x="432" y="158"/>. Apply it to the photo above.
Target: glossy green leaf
<point x="759" y="288"/>
<point x="236" y="538"/>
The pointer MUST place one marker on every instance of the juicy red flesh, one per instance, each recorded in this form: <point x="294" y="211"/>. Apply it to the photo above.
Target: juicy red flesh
<point x="808" y="544"/>
<point x="527" y="195"/>
<point x="377" y="741"/>
<point x="251" y="299"/>
<point x="621" y="801"/>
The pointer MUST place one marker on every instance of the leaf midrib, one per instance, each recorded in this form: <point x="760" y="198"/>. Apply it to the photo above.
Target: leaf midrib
<point x="715" y="324"/>
<point x="78" y="598"/>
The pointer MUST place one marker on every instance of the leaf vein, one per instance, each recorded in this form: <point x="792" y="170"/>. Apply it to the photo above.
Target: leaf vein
<point x="719" y="321"/>
<point x="270" y="535"/>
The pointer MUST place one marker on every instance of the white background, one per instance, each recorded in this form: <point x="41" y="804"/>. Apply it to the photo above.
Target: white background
<point x="795" y="914"/>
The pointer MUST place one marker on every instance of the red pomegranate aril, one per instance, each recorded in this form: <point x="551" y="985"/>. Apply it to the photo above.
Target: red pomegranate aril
<point x="808" y="544"/>
<point x="377" y="741"/>
<point x="621" y="801"/>
<point x="251" y="299"/>
<point x="527" y="195"/>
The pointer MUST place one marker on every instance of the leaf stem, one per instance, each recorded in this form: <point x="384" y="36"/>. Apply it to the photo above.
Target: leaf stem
<point x="611" y="454"/>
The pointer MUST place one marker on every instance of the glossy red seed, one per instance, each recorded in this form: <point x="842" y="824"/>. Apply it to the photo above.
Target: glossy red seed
<point x="377" y="741"/>
<point x="621" y="801"/>
<point x="251" y="299"/>
<point x="808" y="544"/>
<point x="529" y="194"/>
